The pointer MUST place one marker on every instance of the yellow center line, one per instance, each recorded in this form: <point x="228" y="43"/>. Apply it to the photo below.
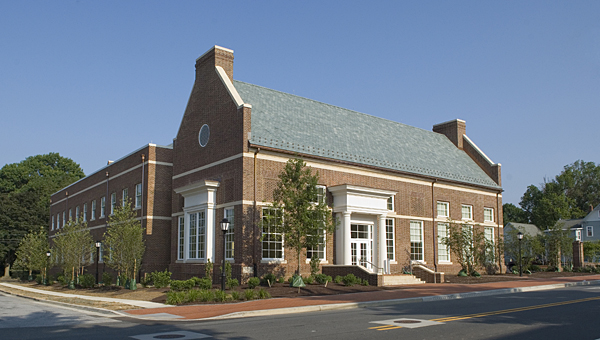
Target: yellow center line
<point x="512" y="310"/>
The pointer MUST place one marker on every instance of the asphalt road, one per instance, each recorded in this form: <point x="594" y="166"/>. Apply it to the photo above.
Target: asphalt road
<point x="568" y="313"/>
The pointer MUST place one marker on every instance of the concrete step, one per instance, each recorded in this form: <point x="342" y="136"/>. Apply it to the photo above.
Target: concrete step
<point x="400" y="279"/>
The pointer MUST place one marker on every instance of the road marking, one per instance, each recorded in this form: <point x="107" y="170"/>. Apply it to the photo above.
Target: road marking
<point x="512" y="310"/>
<point x="403" y="323"/>
<point x="181" y="335"/>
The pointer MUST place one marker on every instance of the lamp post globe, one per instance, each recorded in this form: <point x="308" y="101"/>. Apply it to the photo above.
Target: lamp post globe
<point x="224" y="226"/>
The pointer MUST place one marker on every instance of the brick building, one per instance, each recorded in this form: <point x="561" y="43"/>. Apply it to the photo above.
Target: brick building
<point x="392" y="187"/>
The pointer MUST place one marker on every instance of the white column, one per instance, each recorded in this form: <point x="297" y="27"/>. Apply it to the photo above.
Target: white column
<point x="381" y="244"/>
<point x="347" y="238"/>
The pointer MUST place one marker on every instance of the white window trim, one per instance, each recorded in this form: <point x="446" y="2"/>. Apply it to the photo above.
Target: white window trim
<point x="138" y="202"/>
<point x="93" y="211"/>
<point x="422" y="242"/>
<point x="124" y="196"/>
<point x="52" y="222"/>
<point x="447" y="204"/>
<point x="393" y="203"/>
<point x="471" y="212"/>
<point x="102" y="206"/>
<point x="492" y="214"/>
<point x="230" y="259"/>
<point x="84" y="212"/>
<point x="113" y="203"/>
<point x="449" y="261"/>
<point x="188" y="232"/>
<point x="324" y="259"/>
<point x="589" y="230"/>
<point x="180" y="253"/>
<point x="272" y="260"/>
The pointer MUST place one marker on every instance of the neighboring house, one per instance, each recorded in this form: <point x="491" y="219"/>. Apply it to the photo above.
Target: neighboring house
<point x="589" y="226"/>
<point x="527" y="229"/>
<point x="574" y="227"/>
<point x="393" y="188"/>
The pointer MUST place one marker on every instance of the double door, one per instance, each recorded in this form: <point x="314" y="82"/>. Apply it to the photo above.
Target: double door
<point x="361" y="245"/>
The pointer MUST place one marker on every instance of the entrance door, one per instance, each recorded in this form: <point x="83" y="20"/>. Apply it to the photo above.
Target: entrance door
<point x="361" y="248"/>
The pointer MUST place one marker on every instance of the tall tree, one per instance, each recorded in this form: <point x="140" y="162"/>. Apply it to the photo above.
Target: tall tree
<point x="512" y="213"/>
<point x="581" y="183"/>
<point x="124" y="241"/>
<point x="25" y="190"/>
<point x="301" y="217"/>
<point x="73" y="247"/>
<point x="31" y="254"/>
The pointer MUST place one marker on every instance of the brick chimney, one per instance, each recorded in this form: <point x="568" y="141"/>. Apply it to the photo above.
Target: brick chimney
<point x="454" y="130"/>
<point x="216" y="56"/>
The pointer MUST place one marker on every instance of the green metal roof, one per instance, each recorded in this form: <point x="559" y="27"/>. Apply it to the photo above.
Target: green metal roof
<point x="288" y="122"/>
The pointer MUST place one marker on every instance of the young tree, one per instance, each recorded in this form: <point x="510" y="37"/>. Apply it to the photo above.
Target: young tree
<point x="464" y="242"/>
<point x="31" y="254"/>
<point x="301" y="217"/>
<point x="558" y="244"/>
<point x="73" y="246"/>
<point x="124" y="241"/>
<point x="532" y="247"/>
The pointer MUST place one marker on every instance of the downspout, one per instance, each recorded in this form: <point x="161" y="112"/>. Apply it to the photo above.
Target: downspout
<point x="106" y="199"/>
<point x="433" y="214"/>
<point x="143" y="175"/>
<point x="500" y="256"/>
<point x="254" y="219"/>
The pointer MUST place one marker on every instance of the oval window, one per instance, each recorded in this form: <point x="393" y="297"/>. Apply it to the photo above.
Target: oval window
<point x="204" y="135"/>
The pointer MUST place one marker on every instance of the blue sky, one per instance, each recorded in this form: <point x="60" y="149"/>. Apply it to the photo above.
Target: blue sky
<point x="95" y="80"/>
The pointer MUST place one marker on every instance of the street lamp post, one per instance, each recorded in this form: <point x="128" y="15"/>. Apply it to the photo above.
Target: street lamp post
<point x="48" y="253"/>
<point x="520" y="236"/>
<point x="98" y="245"/>
<point x="224" y="226"/>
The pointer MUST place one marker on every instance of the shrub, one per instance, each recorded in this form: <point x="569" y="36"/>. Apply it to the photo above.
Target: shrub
<point x="351" y="280"/>
<point x="263" y="294"/>
<point x="249" y="294"/>
<point x="314" y="265"/>
<point x="534" y="268"/>
<point x="175" y="298"/>
<point x="309" y="280"/>
<point x="208" y="268"/>
<point x="253" y="282"/>
<point x="181" y="285"/>
<point x="322" y="278"/>
<point x="220" y="296"/>
<point x="338" y="279"/>
<point x="206" y="295"/>
<point x="39" y="279"/>
<point x="204" y="283"/>
<point x="161" y="279"/>
<point x="281" y="280"/>
<point x="491" y="268"/>
<point x="235" y="295"/>
<point x="232" y="283"/>
<point x="192" y="295"/>
<point x="107" y="279"/>
<point x="50" y="280"/>
<point x="62" y="280"/>
<point x="87" y="280"/>
<point x="269" y="277"/>
<point x="365" y="282"/>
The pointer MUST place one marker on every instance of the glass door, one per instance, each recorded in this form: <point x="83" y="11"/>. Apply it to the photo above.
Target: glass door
<point x="361" y="244"/>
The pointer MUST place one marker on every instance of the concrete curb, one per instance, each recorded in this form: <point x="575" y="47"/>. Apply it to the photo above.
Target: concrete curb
<point x="69" y="305"/>
<point x="381" y="303"/>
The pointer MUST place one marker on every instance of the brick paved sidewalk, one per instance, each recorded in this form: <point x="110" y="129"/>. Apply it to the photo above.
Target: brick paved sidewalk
<point x="288" y="305"/>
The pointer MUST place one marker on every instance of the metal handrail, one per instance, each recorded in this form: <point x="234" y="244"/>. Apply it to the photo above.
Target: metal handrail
<point x="377" y="268"/>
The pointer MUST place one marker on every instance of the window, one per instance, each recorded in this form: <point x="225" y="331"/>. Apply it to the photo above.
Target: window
<point x="319" y="250"/>
<point x="321" y="194"/>
<point x="181" y="239"/>
<point x="84" y="212"/>
<point x="102" y="207"/>
<point x="113" y="202"/>
<point x="443" y="209"/>
<point x="52" y="222"/>
<point x="101" y="253"/>
<point x="389" y="238"/>
<point x="272" y="242"/>
<point x="64" y="218"/>
<point x="488" y="215"/>
<point x="229" y="235"/>
<point x="58" y="221"/>
<point x="488" y="234"/>
<point x="443" y="254"/>
<point x="197" y="239"/>
<point x="390" y="203"/>
<point x="70" y="214"/>
<point x="77" y="213"/>
<point x="125" y="196"/>
<point x="590" y="231"/>
<point x="93" y="216"/>
<point x="138" y="195"/>
<point x="467" y="212"/>
<point x="416" y="240"/>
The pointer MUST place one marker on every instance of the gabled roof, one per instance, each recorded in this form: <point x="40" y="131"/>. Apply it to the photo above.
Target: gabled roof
<point x="568" y="224"/>
<point x="288" y="122"/>
<point x="525" y="228"/>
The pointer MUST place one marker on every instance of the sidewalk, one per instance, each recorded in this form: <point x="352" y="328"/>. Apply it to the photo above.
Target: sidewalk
<point x="404" y="294"/>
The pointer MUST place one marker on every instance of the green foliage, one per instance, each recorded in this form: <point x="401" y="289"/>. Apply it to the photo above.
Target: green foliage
<point x="512" y="213"/>
<point x="220" y="296"/>
<point x="351" y="280"/>
<point x="161" y="279"/>
<point x="296" y="202"/>
<point x="263" y="294"/>
<point x="469" y="246"/>
<point x="280" y="279"/>
<point x="175" y="298"/>
<point x="203" y="283"/>
<point x="308" y="280"/>
<point x="235" y="295"/>
<point x="315" y="261"/>
<point x="338" y="279"/>
<point x="557" y="243"/>
<point x="591" y="250"/>
<point x="253" y="282"/>
<point x="25" y="190"/>
<point x="232" y="283"/>
<point x="182" y="285"/>
<point x="124" y="241"/>
<point x="31" y="254"/>
<point x="87" y="280"/>
<point x="39" y="279"/>
<point x="269" y="279"/>
<point x="365" y="282"/>
<point x="208" y="270"/>
<point x="207" y="295"/>
<point x="227" y="270"/>
<point x="249" y="294"/>
<point x="107" y="279"/>
<point x="62" y="280"/>
<point x="74" y="245"/>
<point x="532" y="247"/>
<point x="322" y="278"/>
<point x="192" y="295"/>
